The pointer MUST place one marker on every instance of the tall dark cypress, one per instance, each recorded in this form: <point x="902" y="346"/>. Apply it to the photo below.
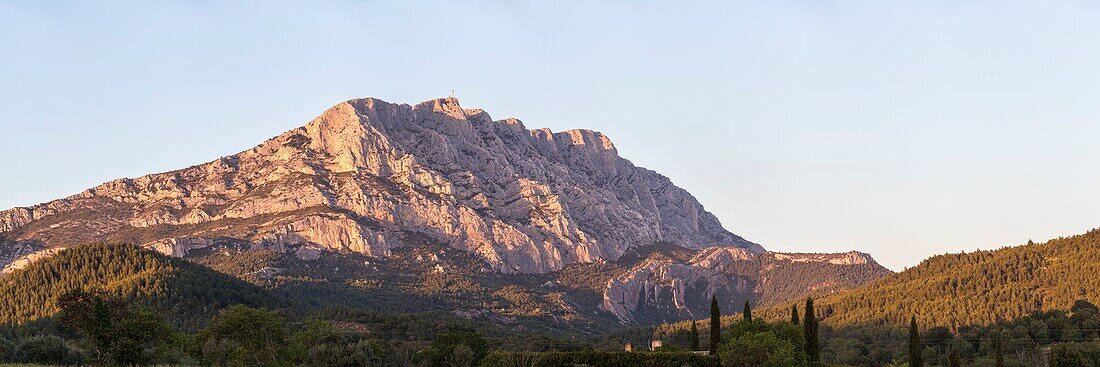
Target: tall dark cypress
<point x="953" y="357"/>
<point x="809" y="328"/>
<point x="914" y="344"/>
<point x="748" y="312"/>
<point x="715" y="326"/>
<point x="694" y="336"/>
<point x="998" y="351"/>
<point x="794" y="315"/>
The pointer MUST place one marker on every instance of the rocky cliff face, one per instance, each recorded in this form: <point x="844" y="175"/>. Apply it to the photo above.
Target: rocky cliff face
<point x="366" y="173"/>
<point x="664" y="288"/>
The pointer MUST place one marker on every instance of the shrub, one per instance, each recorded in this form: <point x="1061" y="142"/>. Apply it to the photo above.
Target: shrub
<point x="242" y="335"/>
<point x="50" y="350"/>
<point x="757" y="349"/>
<point x="598" y="359"/>
<point x="7" y="350"/>
<point x="461" y="349"/>
<point x="1075" y="354"/>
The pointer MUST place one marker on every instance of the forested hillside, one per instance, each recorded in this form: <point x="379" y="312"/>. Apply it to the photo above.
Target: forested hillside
<point x="186" y="293"/>
<point x="978" y="288"/>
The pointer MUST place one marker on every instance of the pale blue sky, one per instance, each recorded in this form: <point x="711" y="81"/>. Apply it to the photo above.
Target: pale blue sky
<point x="899" y="128"/>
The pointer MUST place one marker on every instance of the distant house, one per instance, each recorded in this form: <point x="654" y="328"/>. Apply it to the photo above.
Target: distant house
<point x="654" y="344"/>
<point x="629" y="347"/>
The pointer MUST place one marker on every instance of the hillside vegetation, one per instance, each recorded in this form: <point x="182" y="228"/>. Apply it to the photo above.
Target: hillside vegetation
<point x="978" y="288"/>
<point x="186" y="293"/>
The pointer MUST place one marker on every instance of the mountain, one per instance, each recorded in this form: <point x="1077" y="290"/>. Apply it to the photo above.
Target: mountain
<point x="366" y="173"/>
<point x="437" y="207"/>
<point x="978" y="288"/>
<point x="183" y="291"/>
<point x="667" y="288"/>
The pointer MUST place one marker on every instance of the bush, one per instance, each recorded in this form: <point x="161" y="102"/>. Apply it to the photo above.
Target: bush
<point x="242" y="335"/>
<point x="598" y="359"/>
<point x="460" y="349"/>
<point x="1075" y="355"/>
<point x="7" y="350"/>
<point x="757" y="349"/>
<point x="118" y="333"/>
<point x="47" y="350"/>
<point x="364" y="353"/>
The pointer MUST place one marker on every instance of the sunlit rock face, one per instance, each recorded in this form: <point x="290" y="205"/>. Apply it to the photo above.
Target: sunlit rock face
<point x="366" y="172"/>
<point x="665" y="289"/>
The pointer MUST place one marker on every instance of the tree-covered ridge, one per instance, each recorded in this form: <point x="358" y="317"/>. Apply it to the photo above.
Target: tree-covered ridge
<point x="978" y="288"/>
<point x="186" y="293"/>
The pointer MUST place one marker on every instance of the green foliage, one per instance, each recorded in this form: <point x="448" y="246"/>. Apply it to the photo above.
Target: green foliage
<point x="794" y="315"/>
<point x="320" y="343"/>
<point x="50" y="350"/>
<point x="1075" y="355"/>
<point x="998" y="352"/>
<point x="915" y="347"/>
<point x="598" y="359"/>
<point x="715" y="326"/>
<point x="811" y="336"/>
<point x="756" y="349"/>
<point x="978" y="288"/>
<point x="119" y="333"/>
<point x="1024" y="340"/>
<point x="241" y="335"/>
<point x="694" y="336"/>
<point x="788" y="334"/>
<point x="457" y="350"/>
<point x="7" y="350"/>
<point x="747" y="313"/>
<point x="363" y="353"/>
<point x="185" y="293"/>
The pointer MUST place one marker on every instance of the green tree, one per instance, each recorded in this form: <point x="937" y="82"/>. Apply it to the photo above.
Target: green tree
<point x="813" y="344"/>
<point x="757" y="349"/>
<point x="459" y="349"/>
<point x="953" y="357"/>
<point x="50" y="350"/>
<point x="794" y="315"/>
<point x="715" y="326"/>
<point x="998" y="351"/>
<point x="7" y="350"/>
<point x="694" y="336"/>
<point x="319" y="343"/>
<point x="747" y="313"/>
<point x="244" y="336"/>
<point x="120" y="334"/>
<point x="914" y="344"/>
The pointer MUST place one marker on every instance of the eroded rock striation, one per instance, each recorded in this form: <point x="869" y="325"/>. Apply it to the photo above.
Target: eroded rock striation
<point x="366" y="173"/>
<point x="663" y="289"/>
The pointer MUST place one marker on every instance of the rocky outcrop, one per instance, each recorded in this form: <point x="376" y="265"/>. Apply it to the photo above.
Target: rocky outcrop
<point x="665" y="289"/>
<point x="27" y="259"/>
<point x="365" y="173"/>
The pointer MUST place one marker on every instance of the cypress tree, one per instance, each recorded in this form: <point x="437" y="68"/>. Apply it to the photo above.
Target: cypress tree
<point x="748" y="312"/>
<point x="715" y="326"/>
<point x="953" y="357"/>
<point x="694" y="336"/>
<point x="998" y="352"/>
<point x="794" y="315"/>
<point x="809" y="328"/>
<point x="914" y="344"/>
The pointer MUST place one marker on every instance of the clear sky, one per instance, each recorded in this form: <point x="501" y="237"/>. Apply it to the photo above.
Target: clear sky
<point x="899" y="128"/>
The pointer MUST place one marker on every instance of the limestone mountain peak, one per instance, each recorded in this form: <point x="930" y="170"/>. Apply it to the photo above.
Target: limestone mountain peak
<point x="366" y="174"/>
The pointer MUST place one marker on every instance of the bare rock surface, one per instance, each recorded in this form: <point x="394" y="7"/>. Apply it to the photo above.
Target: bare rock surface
<point x="365" y="172"/>
<point x="666" y="289"/>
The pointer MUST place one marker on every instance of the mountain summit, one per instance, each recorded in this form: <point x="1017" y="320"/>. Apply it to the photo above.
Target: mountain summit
<point x="367" y="175"/>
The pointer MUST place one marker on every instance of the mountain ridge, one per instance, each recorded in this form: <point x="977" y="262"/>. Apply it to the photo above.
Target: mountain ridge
<point x="559" y="197"/>
<point x="371" y="193"/>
